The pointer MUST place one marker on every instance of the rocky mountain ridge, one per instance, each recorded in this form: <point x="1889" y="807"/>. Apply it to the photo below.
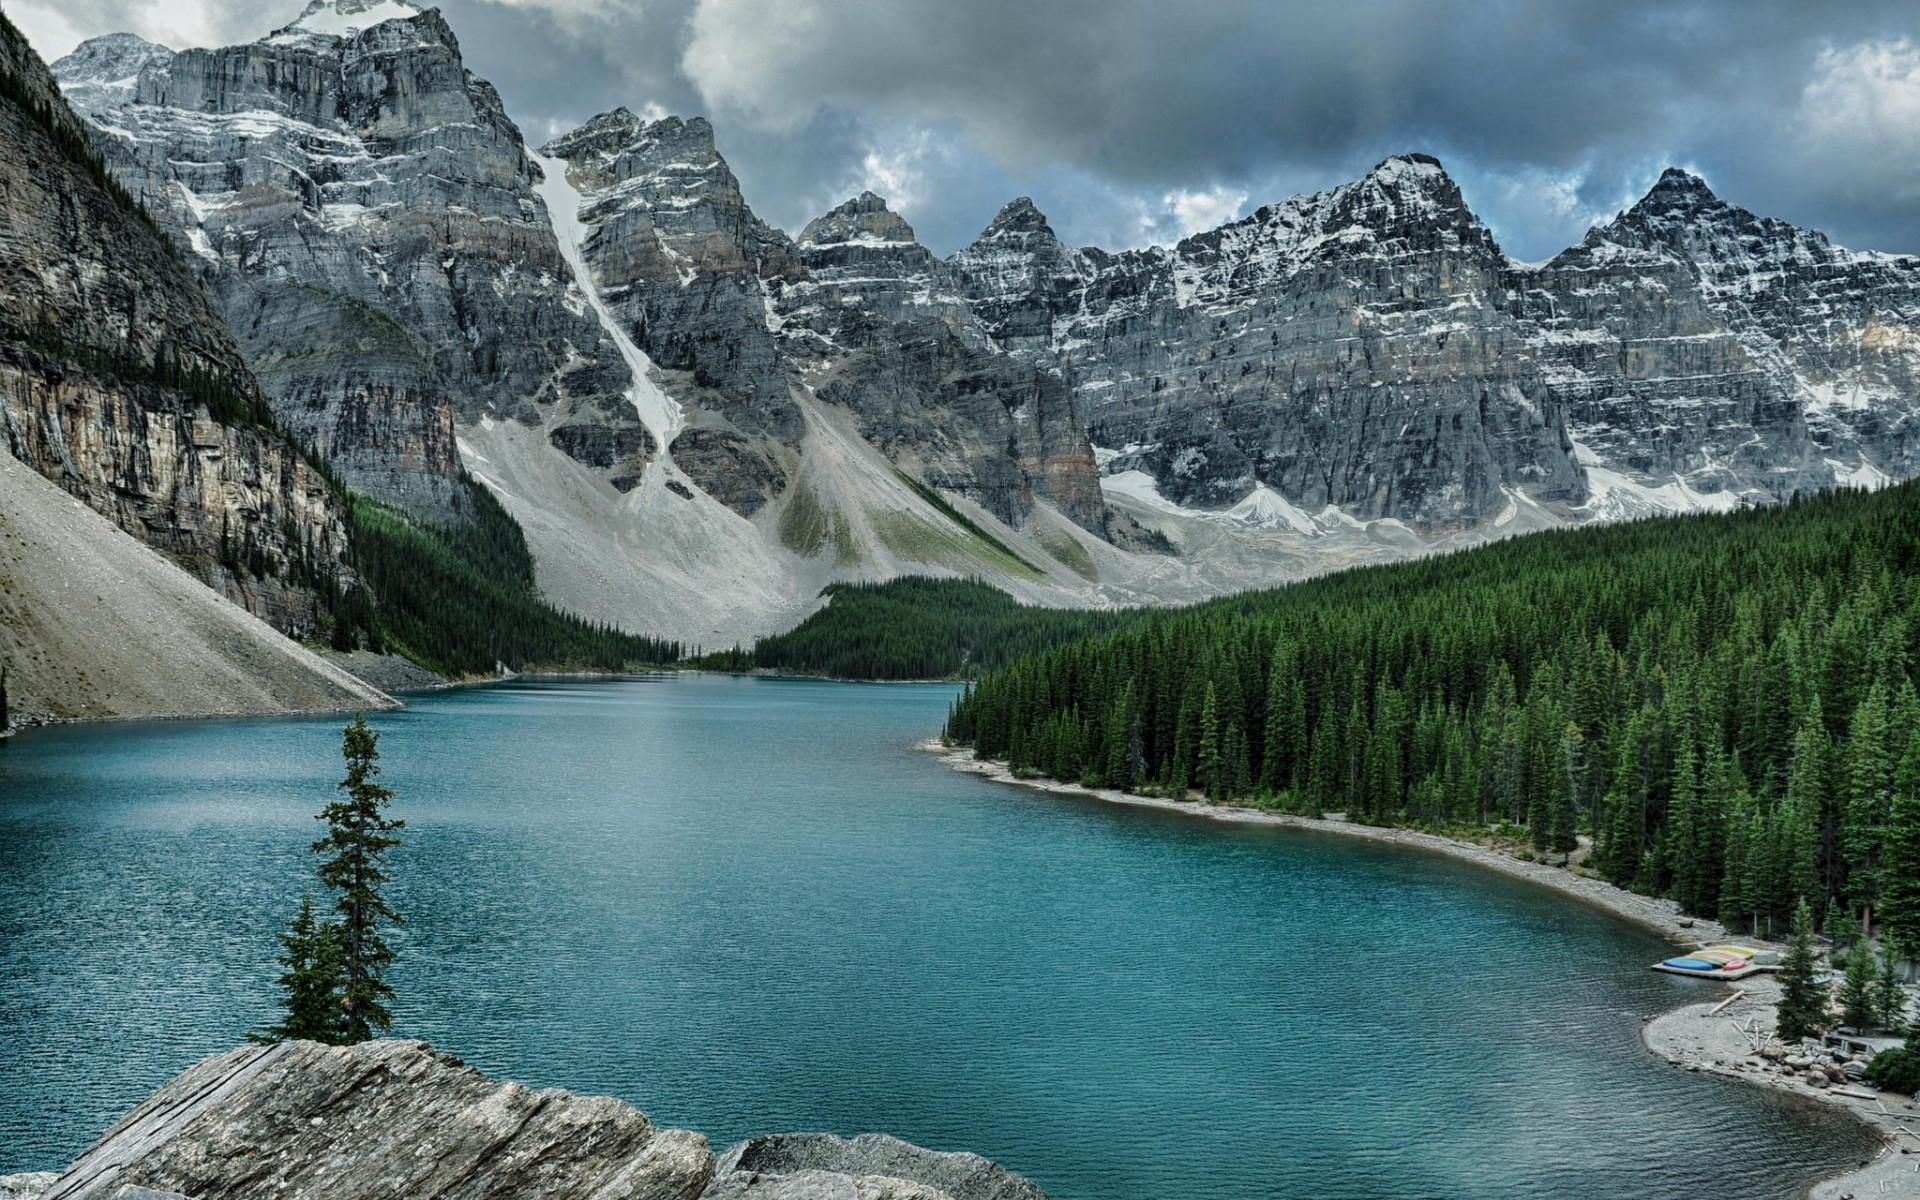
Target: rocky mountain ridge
<point x="395" y="1118"/>
<point x="1371" y="348"/>
<point x="699" y="419"/>
<point x="119" y="384"/>
<point x="365" y="215"/>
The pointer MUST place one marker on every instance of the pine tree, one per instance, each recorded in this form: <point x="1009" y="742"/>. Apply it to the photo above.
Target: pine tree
<point x="359" y="834"/>
<point x="310" y="985"/>
<point x="1858" y="1007"/>
<point x="1803" y="1008"/>
<point x="1889" y="998"/>
<point x="1900" y="852"/>
<point x="1211" y="777"/>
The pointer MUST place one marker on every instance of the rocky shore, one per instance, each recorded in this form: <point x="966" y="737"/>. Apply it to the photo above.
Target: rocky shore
<point x="302" y="1121"/>
<point x="1734" y="1040"/>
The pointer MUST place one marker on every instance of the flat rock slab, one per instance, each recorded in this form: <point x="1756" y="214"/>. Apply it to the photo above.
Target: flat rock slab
<point x="397" y="1120"/>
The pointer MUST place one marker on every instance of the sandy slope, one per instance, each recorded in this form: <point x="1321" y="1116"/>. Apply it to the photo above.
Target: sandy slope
<point x="94" y="624"/>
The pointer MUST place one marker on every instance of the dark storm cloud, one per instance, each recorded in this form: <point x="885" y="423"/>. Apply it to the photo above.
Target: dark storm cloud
<point x="1130" y="120"/>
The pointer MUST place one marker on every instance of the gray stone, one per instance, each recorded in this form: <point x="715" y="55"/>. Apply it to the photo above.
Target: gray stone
<point x="364" y="211"/>
<point x="300" y="1121"/>
<point x="820" y="1166"/>
<point x="27" y="1186"/>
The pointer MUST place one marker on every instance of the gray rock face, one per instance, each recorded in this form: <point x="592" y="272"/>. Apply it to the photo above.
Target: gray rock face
<point x="737" y="317"/>
<point x="1371" y="348"/>
<point x="873" y="1166"/>
<point x="382" y="1119"/>
<point x="401" y="1120"/>
<point x="1692" y="341"/>
<point x="364" y="212"/>
<point x="25" y="1187"/>
<point x="1343" y="349"/>
<point x="679" y="258"/>
<point x="112" y="366"/>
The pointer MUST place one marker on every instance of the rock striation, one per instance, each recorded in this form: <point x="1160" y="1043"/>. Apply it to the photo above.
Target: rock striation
<point x="398" y="1119"/>
<point x="856" y="312"/>
<point x="680" y="402"/>
<point x="802" y="1166"/>
<point x="365" y="214"/>
<point x="119" y="383"/>
<point x="1371" y="348"/>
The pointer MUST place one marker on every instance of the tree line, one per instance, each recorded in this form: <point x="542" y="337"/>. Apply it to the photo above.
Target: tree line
<point x="1724" y="704"/>
<point x="917" y="627"/>
<point x="460" y="598"/>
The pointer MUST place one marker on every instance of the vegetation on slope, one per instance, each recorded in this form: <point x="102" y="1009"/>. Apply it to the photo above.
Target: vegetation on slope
<point x="1726" y="704"/>
<point x="460" y="599"/>
<point x="916" y="627"/>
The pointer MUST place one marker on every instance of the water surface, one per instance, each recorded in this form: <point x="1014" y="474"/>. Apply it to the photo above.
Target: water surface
<point x="748" y="905"/>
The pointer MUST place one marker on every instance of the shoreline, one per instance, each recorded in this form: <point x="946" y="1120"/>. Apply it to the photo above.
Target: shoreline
<point x="1685" y="1037"/>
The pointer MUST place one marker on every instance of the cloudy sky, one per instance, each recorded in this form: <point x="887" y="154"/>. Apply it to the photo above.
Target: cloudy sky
<point x="1133" y="121"/>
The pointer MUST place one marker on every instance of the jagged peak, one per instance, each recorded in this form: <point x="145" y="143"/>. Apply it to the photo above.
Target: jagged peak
<point x="865" y="218"/>
<point x="111" y="56"/>
<point x="1412" y="167"/>
<point x="622" y="135"/>
<point x="346" y="18"/>
<point x="1018" y="216"/>
<point x="1677" y="185"/>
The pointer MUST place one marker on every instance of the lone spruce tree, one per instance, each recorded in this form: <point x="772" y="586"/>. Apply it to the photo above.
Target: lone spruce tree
<point x="359" y="834"/>
<point x="1803" y="1008"/>
<point x="1859" y="1007"/>
<point x="310" y="986"/>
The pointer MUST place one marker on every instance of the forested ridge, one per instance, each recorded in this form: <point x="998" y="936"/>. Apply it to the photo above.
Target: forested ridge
<point x="461" y="599"/>
<point x="1725" y="703"/>
<point x="917" y="627"/>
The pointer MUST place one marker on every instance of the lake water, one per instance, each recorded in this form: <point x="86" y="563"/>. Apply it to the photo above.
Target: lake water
<point x="749" y="906"/>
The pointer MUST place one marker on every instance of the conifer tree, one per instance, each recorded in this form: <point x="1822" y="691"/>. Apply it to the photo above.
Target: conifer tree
<point x="359" y="835"/>
<point x="1803" y="1010"/>
<point x="1889" y="998"/>
<point x="1858" y="1003"/>
<point x="1900" y="852"/>
<point x="1210" y="779"/>
<point x="310" y="985"/>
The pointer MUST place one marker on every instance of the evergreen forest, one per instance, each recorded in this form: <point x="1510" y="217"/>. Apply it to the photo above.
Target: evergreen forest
<point x="917" y="627"/>
<point x="460" y="598"/>
<point x="1720" y="709"/>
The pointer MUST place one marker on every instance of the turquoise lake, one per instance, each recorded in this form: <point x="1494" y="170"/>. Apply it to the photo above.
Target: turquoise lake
<point x="751" y="906"/>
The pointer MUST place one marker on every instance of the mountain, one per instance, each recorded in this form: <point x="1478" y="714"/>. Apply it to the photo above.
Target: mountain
<point x="139" y="449"/>
<point x="1372" y="348"/>
<point x="120" y="384"/>
<point x="365" y="216"/>
<point x="699" y="420"/>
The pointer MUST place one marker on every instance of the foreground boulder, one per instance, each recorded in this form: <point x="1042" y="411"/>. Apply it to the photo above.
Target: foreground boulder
<point x="398" y="1120"/>
<point x="873" y="1166"/>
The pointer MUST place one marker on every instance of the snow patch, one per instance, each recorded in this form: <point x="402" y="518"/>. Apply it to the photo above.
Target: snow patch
<point x="1866" y="475"/>
<point x="1614" y="496"/>
<point x="344" y="18"/>
<point x="660" y="413"/>
<point x="1262" y="508"/>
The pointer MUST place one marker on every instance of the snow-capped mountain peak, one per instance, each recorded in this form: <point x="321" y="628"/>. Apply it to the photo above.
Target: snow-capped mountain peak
<point x="345" y="18"/>
<point x="865" y="218"/>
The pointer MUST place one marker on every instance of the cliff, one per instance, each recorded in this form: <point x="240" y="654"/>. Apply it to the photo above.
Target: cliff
<point x="300" y="1121"/>
<point x="120" y="384"/>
